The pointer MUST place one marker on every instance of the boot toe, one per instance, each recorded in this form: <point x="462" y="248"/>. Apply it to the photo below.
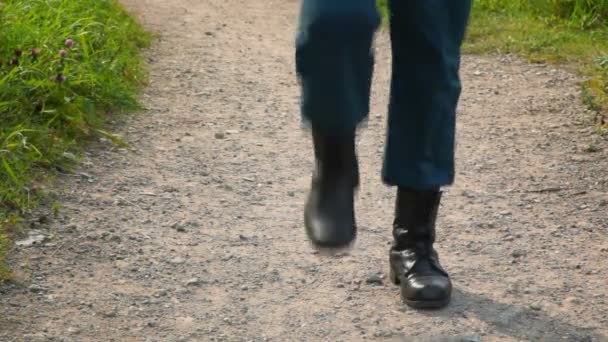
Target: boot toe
<point x="427" y="291"/>
<point x="326" y="233"/>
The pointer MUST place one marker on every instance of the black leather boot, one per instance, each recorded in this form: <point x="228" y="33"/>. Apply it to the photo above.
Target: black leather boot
<point x="329" y="215"/>
<point x="413" y="260"/>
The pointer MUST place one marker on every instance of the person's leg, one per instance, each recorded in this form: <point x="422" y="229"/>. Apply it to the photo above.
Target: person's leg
<point x="334" y="64"/>
<point x="426" y="39"/>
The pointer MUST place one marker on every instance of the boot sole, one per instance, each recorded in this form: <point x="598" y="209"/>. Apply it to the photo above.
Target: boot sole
<point x="332" y="247"/>
<point x="439" y="304"/>
<point x="331" y="251"/>
<point x="325" y="247"/>
<point x="435" y="304"/>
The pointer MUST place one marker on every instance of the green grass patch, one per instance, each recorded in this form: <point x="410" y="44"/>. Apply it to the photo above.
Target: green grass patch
<point x="65" y="67"/>
<point x="573" y="33"/>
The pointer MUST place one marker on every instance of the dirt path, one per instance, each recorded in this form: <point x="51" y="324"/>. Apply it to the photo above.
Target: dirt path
<point x="197" y="235"/>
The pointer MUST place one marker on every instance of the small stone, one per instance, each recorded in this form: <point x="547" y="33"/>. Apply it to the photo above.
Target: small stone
<point x="518" y="253"/>
<point x="467" y="194"/>
<point x="572" y="301"/>
<point x="34" y="238"/>
<point x="194" y="282"/>
<point x="73" y="330"/>
<point x="177" y="261"/>
<point x="161" y="293"/>
<point x="220" y="135"/>
<point x="110" y="314"/>
<point x="36" y="288"/>
<point x="374" y="279"/>
<point x="586" y="226"/>
<point x="535" y="306"/>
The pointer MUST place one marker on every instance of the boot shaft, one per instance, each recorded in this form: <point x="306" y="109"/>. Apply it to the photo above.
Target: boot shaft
<point x="335" y="157"/>
<point x="415" y="217"/>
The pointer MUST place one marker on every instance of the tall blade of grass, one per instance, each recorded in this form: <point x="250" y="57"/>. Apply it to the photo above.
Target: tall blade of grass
<point x="10" y="172"/>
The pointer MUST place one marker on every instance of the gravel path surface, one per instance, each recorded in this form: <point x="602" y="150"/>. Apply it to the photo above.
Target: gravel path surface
<point x="197" y="234"/>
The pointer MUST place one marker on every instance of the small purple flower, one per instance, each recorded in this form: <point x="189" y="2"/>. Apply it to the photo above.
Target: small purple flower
<point x="69" y="43"/>
<point x="63" y="53"/>
<point x="60" y="78"/>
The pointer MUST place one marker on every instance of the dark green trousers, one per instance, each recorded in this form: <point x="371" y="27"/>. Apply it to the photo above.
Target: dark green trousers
<point x="335" y="62"/>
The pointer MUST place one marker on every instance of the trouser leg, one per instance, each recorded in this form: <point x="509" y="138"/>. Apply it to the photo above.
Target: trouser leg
<point x="335" y="62"/>
<point x="426" y="39"/>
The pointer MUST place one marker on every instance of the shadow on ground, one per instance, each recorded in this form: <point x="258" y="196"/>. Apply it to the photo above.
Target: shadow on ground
<point x="514" y="321"/>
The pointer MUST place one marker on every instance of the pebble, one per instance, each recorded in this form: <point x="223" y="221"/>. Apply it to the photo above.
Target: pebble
<point x="572" y="301"/>
<point x="37" y="288"/>
<point x="518" y="253"/>
<point x="194" y="282"/>
<point x="374" y="279"/>
<point x="177" y="261"/>
<point x="73" y="330"/>
<point x="586" y="226"/>
<point x="220" y="135"/>
<point x="161" y="293"/>
<point x="35" y="238"/>
<point x="110" y="314"/>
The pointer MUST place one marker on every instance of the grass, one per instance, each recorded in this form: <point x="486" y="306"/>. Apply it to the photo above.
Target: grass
<point x="65" y="68"/>
<point x="572" y="33"/>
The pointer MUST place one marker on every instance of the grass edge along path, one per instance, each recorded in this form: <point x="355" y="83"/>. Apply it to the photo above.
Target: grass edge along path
<point x="66" y="68"/>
